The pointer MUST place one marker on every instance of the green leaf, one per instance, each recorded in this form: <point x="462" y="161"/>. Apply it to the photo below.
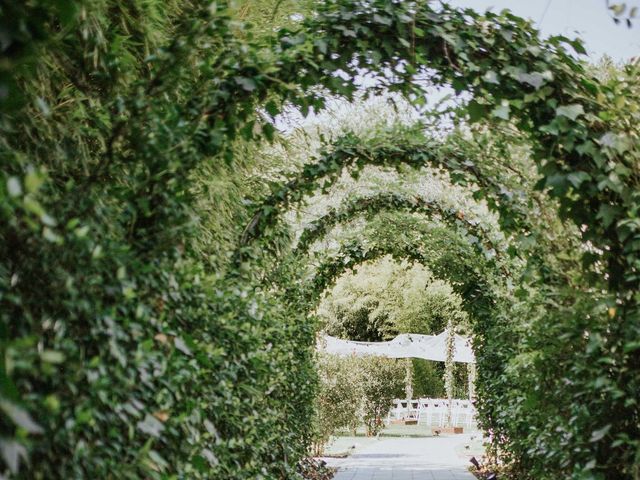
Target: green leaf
<point x="248" y="84"/>
<point x="501" y="111"/>
<point x="382" y="19"/>
<point x="476" y="111"/>
<point x="51" y="356"/>
<point x="51" y="236"/>
<point x="608" y="214"/>
<point x="33" y="180"/>
<point x="151" y="426"/>
<point x="210" y="456"/>
<point x="33" y="206"/>
<point x="20" y="417"/>
<point x="631" y="346"/>
<point x="48" y="220"/>
<point x="507" y="35"/>
<point x="12" y="452"/>
<point x="43" y="106"/>
<point x="491" y="77"/>
<point x="578" y="46"/>
<point x="458" y="84"/>
<point x="81" y="232"/>
<point x="67" y="11"/>
<point x="321" y="44"/>
<point x="571" y="111"/>
<point x="182" y="346"/>
<point x="13" y="187"/>
<point x="271" y="108"/>
<point x="158" y="461"/>
<point x="618" y="8"/>
<point x="534" y="79"/>
<point x="599" y="434"/>
<point x="577" y="178"/>
<point x="618" y="142"/>
<point x="199" y="463"/>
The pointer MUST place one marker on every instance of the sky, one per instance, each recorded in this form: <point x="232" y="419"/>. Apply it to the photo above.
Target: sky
<point x="587" y="19"/>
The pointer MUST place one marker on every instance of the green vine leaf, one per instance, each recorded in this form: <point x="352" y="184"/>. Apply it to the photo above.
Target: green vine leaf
<point x="572" y="111"/>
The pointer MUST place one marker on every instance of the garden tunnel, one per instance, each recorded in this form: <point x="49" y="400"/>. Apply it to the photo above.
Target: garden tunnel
<point x="517" y="210"/>
<point x="466" y="258"/>
<point x="139" y="343"/>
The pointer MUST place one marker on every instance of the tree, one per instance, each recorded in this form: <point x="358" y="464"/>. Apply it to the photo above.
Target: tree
<point x="381" y="380"/>
<point x="338" y="400"/>
<point x="384" y="298"/>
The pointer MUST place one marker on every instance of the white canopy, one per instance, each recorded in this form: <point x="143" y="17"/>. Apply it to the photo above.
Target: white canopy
<point x="408" y="345"/>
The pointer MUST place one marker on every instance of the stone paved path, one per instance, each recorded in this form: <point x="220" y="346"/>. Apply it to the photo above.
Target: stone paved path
<point x="432" y="458"/>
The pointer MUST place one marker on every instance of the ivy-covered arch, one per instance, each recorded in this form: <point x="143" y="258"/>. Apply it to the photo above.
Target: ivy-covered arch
<point x="536" y="84"/>
<point x="369" y="205"/>
<point x="481" y="285"/>
<point x="155" y="118"/>
<point x="470" y="284"/>
<point x="393" y="150"/>
<point x="445" y="251"/>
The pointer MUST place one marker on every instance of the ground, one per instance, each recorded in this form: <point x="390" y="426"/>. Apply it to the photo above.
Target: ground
<point x="431" y="458"/>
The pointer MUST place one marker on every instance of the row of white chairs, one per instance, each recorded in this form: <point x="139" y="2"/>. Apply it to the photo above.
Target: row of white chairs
<point x="433" y="411"/>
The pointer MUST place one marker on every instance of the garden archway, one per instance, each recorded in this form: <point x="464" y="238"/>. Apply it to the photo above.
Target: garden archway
<point x="100" y="212"/>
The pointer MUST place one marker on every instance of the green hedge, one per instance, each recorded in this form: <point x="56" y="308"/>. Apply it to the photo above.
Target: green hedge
<point x="124" y="355"/>
<point x="117" y="367"/>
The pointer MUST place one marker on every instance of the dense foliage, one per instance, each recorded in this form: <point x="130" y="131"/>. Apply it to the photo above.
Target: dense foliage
<point x="353" y="391"/>
<point x="381" y="380"/>
<point x="338" y="400"/>
<point x="124" y="354"/>
<point x="153" y="328"/>
<point x="384" y="299"/>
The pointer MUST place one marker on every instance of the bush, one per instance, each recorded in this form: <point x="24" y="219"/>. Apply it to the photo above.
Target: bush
<point x="381" y="380"/>
<point x="125" y="355"/>
<point x="338" y="399"/>
<point x="132" y="348"/>
<point x="355" y="390"/>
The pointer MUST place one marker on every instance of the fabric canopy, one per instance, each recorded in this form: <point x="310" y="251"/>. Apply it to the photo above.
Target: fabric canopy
<point x="408" y="345"/>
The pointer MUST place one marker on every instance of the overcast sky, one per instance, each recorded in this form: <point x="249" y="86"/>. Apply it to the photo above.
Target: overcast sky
<point x="587" y="19"/>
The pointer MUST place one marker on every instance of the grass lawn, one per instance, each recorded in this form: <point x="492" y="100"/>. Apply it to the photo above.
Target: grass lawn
<point x="346" y="443"/>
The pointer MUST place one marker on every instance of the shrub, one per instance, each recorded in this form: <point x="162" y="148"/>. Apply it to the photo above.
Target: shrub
<point x="381" y="380"/>
<point x="338" y="399"/>
<point x="126" y="354"/>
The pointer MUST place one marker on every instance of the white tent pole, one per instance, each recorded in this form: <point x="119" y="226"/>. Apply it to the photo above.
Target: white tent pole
<point x="471" y="373"/>
<point x="449" y="369"/>
<point x="408" y="389"/>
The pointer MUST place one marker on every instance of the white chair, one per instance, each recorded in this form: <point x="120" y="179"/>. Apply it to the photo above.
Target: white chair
<point x="398" y="411"/>
<point x="413" y="410"/>
<point x="438" y="412"/>
<point x="461" y="412"/>
<point x="424" y="411"/>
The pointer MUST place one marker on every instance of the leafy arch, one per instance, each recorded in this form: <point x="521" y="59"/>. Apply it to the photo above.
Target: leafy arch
<point x="470" y="285"/>
<point x="535" y="84"/>
<point x="371" y="204"/>
<point x="352" y="154"/>
<point x="155" y="121"/>
<point x="482" y="287"/>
